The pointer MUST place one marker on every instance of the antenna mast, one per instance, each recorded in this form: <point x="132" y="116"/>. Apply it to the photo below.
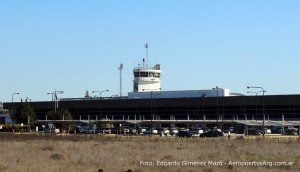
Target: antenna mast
<point x="121" y="68"/>
<point x="146" y="46"/>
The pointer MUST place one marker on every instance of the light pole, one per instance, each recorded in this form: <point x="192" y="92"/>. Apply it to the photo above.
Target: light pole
<point x="151" y="111"/>
<point x="263" y="103"/>
<point x="12" y="97"/>
<point x="55" y="96"/>
<point x="256" y="93"/>
<point x="121" y="68"/>
<point x="154" y="96"/>
<point x="217" y="88"/>
<point x="51" y="94"/>
<point x="203" y="95"/>
<point x="100" y="92"/>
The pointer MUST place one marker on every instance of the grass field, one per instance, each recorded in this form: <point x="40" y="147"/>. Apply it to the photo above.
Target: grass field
<point x="24" y="152"/>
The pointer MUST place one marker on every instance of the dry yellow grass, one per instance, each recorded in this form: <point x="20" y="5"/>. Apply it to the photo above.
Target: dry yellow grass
<point x="21" y="153"/>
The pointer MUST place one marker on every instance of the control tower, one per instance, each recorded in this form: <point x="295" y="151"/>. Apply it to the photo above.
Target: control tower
<point x="146" y="78"/>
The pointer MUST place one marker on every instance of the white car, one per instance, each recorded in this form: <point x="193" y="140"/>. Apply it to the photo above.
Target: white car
<point x="173" y="131"/>
<point x="154" y="131"/>
<point x="265" y="131"/>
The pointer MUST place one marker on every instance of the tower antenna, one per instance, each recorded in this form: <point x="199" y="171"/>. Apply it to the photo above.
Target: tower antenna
<point x="146" y="46"/>
<point x="121" y="68"/>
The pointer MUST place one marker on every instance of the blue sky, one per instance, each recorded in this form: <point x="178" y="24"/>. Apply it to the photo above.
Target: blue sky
<point x="76" y="46"/>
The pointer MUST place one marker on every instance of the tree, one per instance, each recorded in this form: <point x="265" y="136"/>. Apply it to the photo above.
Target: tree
<point x="62" y="114"/>
<point x="25" y="113"/>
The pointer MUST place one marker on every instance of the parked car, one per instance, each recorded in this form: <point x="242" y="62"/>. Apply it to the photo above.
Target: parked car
<point x="291" y="131"/>
<point x="215" y="129"/>
<point x="125" y="131"/>
<point x="132" y="131"/>
<point x="265" y="131"/>
<point x="212" y="133"/>
<point x="96" y="131"/>
<point x="252" y="131"/>
<point x="154" y="131"/>
<point x="106" y="131"/>
<point x="147" y="132"/>
<point x="197" y="130"/>
<point x="84" y="130"/>
<point x="163" y="131"/>
<point x="230" y="130"/>
<point x="173" y="131"/>
<point x="183" y="133"/>
<point x="52" y="130"/>
<point x="141" y="130"/>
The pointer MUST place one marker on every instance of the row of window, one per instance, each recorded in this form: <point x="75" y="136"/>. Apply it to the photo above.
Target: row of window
<point x="146" y="74"/>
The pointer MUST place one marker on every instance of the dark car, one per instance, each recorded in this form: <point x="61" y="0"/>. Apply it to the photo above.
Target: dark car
<point x="291" y="132"/>
<point x="96" y="131"/>
<point x="253" y="132"/>
<point x="185" y="134"/>
<point x="212" y="133"/>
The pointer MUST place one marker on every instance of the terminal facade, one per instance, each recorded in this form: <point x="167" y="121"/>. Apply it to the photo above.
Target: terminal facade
<point x="276" y="107"/>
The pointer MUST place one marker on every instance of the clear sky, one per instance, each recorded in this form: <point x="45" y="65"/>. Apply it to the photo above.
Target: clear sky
<point x="76" y="45"/>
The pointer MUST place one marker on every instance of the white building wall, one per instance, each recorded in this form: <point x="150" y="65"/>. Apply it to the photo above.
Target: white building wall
<point x="145" y="87"/>
<point x="178" y="94"/>
<point x="148" y="79"/>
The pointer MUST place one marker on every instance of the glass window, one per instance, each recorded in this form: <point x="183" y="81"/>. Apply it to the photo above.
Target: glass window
<point x="144" y="74"/>
<point x="157" y="75"/>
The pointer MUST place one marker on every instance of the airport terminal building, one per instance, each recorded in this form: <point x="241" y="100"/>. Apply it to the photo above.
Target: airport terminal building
<point x="148" y="103"/>
<point x="186" y="108"/>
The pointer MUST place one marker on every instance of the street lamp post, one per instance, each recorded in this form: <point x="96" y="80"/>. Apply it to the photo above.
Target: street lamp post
<point x="100" y="92"/>
<point x="203" y="95"/>
<point x="151" y="108"/>
<point x="263" y="103"/>
<point x="12" y="97"/>
<point x="256" y="93"/>
<point x="154" y="96"/>
<point x="55" y="97"/>
<point x="217" y="88"/>
<point x="51" y="95"/>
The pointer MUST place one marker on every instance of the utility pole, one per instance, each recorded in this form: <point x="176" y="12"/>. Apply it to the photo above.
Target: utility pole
<point x="263" y="107"/>
<point x="121" y="68"/>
